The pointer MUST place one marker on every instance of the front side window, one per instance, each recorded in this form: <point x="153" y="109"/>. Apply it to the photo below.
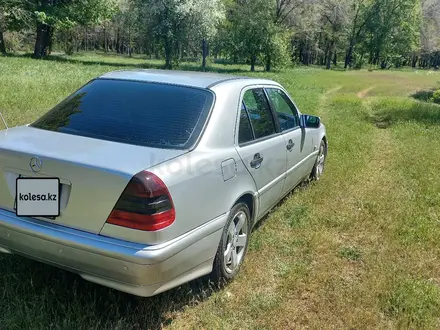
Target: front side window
<point x="259" y="112"/>
<point x="284" y="108"/>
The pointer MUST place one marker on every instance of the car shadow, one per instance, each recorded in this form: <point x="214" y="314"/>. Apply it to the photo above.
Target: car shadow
<point x="38" y="288"/>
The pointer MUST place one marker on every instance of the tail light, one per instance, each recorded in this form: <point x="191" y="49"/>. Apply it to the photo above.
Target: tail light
<point x="145" y="204"/>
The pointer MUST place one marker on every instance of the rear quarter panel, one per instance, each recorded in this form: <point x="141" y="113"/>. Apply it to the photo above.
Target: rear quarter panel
<point x="199" y="192"/>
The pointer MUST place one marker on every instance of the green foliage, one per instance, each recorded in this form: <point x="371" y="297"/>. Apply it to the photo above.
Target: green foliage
<point x="277" y="48"/>
<point x="272" y="33"/>
<point x="66" y="39"/>
<point x="12" y="41"/>
<point x="436" y="97"/>
<point x="252" y="33"/>
<point x="83" y="12"/>
<point x="174" y="23"/>
<point x="392" y="29"/>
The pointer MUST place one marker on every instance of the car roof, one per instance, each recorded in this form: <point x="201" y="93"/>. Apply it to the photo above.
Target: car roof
<point x="185" y="78"/>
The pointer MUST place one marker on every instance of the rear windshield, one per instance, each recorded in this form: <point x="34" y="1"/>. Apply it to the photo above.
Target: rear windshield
<point x="140" y="113"/>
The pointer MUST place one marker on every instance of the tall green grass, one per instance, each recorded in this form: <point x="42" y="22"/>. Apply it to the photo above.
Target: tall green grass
<point x="357" y="250"/>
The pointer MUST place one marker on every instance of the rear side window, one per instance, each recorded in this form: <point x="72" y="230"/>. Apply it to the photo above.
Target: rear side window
<point x="245" y="130"/>
<point x="139" y="113"/>
<point x="259" y="112"/>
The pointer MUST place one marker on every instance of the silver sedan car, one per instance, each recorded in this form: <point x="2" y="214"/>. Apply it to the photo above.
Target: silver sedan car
<point x="144" y="180"/>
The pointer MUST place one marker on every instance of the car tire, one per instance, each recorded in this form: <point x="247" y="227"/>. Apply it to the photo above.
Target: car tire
<point x="233" y="244"/>
<point x="318" y="168"/>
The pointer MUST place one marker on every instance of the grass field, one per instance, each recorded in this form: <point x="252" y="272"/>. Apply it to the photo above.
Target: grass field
<point x="358" y="250"/>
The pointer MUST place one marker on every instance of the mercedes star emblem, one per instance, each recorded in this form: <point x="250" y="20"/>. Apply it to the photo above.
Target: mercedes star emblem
<point x="36" y="164"/>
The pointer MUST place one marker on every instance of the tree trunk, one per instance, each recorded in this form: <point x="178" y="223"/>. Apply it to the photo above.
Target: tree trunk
<point x="2" y="44"/>
<point x="414" y="61"/>
<point x="253" y="61"/>
<point x="329" y="55"/>
<point x="376" y="57"/>
<point x="105" y="40"/>
<point x="204" y="53"/>
<point x="329" y="62"/>
<point x="235" y="58"/>
<point x="117" y="42"/>
<point x="43" y="42"/>
<point x="268" y="62"/>
<point x="335" y="59"/>
<point x="129" y="42"/>
<point x="168" y="53"/>
<point x="349" y="55"/>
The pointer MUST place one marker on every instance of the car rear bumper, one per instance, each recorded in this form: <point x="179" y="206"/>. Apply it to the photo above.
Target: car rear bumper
<point x="143" y="270"/>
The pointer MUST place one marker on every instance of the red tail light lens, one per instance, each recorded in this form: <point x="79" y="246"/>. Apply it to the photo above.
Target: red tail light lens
<point x="145" y="204"/>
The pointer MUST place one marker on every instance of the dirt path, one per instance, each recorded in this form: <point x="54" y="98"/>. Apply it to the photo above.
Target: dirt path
<point x="362" y="94"/>
<point x="328" y="93"/>
<point x="324" y="99"/>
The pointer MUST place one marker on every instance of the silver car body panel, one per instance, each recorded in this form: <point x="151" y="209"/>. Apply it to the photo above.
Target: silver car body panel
<point x="204" y="183"/>
<point x="143" y="270"/>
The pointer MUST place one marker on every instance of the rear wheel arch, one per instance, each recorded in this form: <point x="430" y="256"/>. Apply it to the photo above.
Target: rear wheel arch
<point x="324" y="138"/>
<point x="250" y="201"/>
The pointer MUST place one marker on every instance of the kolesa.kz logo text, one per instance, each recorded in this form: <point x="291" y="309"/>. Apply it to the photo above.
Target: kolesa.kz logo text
<point x="37" y="197"/>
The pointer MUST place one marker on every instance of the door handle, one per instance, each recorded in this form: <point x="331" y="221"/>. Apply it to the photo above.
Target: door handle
<point x="256" y="162"/>
<point x="290" y="145"/>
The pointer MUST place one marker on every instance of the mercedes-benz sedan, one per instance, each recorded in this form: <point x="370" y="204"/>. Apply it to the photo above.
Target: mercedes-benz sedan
<point x="144" y="180"/>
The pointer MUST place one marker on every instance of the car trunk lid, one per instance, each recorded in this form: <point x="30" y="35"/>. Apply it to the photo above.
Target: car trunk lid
<point x="93" y="173"/>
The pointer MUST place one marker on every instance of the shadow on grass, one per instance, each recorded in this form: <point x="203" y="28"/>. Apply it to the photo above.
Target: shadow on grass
<point x="424" y="95"/>
<point x="388" y="113"/>
<point x="53" y="297"/>
<point x="146" y="65"/>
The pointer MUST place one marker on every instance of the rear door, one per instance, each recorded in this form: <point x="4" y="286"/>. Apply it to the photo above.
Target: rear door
<point x="262" y="147"/>
<point x="296" y="146"/>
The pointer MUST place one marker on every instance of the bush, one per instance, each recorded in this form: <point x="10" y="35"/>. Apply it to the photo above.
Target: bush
<point x="13" y="41"/>
<point x="65" y="39"/>
<point x="436" y="97"/>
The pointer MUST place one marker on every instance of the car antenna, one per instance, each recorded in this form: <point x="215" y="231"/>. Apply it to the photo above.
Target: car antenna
<point x="4" y="121"/>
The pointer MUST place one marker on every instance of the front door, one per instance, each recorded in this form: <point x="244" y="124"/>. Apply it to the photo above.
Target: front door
<point x="261" y="147"/>
<point x="296" y="147"/>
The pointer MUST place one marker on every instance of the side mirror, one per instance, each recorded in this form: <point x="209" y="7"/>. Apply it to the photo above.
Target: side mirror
<point x="309" y="121"/>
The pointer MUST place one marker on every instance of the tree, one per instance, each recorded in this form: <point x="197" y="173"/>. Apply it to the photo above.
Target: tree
<point x="430" y="35"/>
<point x="205" y="19"/>
<point x="255" y="33"/>
<point x="270" y="32"/>
<point x="2" y="28"/>
<point x="334" y="17"/>
<point x="392" y="30"/>
<point x="11" y="13"/>
<point x="359" y="12"/>
<point x="47" y="15"/>
<point x="178" y="22"/>
<point x="166" y="19"/>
